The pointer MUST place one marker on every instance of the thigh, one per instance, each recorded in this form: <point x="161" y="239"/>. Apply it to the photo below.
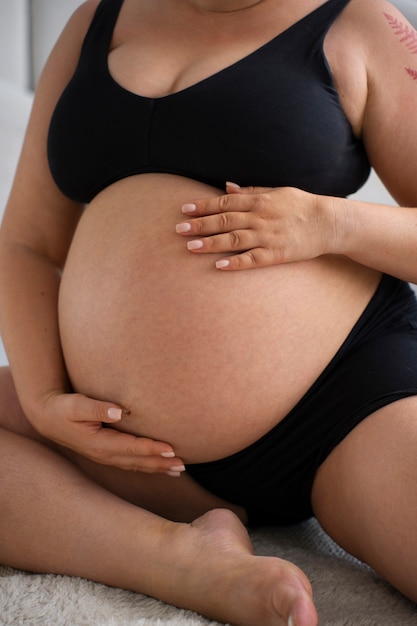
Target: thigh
<point x="180" y="499"/>
<point x="365" y="493"/>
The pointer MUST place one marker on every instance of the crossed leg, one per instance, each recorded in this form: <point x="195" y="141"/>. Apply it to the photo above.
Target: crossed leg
<point x="56" y="518"/>
<point x="365" y="494"/>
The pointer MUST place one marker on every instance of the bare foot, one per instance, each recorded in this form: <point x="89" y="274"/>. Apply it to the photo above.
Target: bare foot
<point x="222" y="579"/>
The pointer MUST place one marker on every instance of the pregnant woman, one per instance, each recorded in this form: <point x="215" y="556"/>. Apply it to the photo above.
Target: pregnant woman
<point x="190" y="355"/>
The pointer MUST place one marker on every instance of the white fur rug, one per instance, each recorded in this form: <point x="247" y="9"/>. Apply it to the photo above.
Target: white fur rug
<point x="347" y="593"/>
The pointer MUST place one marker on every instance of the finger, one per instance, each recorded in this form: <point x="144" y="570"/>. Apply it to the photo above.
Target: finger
<point x="128" y="452"/>
<point x="235" y="188"/>
<point x="148" y="465"/>
<point x="250" y="259"/>
<point x="143" y="446"/>
<point x="235" y="241"/>
<point x="81" y="409"/>
<point x="213" y="224"/>
<point x="131" y="446"/>
<point x="95" y="412"/>
<point x="219" y="204"/>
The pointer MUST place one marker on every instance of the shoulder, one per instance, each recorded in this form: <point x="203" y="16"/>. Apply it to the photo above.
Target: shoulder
<point x="374" y="29"/>
<point x="388" y="45"/>
<point x="78" y="24"/>
<point x="85" y="12"/>
<point x="379" y="29"/>
<point x="64" y="56"/>
<point x="372" y="51"/>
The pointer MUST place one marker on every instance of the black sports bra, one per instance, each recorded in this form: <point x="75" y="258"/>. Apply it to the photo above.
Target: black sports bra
<point x="271" y="119"/>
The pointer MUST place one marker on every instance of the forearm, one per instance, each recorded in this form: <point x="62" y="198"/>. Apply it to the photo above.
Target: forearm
<point x="29" y="286"/>
<point x="379" y="236"/>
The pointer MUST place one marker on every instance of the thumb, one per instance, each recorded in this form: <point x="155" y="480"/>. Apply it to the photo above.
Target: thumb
<point x="235" y="188"/>
<point x="113" y="414"/>
<point x="91" y="410"/>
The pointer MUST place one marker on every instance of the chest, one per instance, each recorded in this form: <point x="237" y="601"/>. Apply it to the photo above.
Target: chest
<point x="269" y="115"/>
<point x="155" y="55"/>
<point x="159" y="47"/>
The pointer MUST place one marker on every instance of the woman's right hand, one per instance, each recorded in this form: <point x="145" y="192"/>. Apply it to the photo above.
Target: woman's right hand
<point x="81" y="424"/>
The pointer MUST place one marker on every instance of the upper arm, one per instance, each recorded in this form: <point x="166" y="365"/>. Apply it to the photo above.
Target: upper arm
<point x="390" y="117"/>
<point x="37" y="214"/>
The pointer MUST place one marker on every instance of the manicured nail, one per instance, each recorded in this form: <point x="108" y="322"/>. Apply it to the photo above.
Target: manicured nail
<point x="185" y="227"/>
<point x="168" y="455"/>
<point x="235" y="185"/>
<point x="173" y="474"/>
<point x="178" y="468"/>
<point x="291" y="621"/>
<point x="114" y="414"/>
<point x="222" y="264"/>
<point x="196" y="244"/>
<point x="188" y="208"/>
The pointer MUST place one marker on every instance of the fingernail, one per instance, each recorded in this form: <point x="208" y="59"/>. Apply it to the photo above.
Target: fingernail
<point x="221" y="264"/>
<point x="188" y="208"/>
<point x="196" y="244"/>
<point x="183" y="228"/>
<point x="114" y="414"/>
<point x="178" y="468"/>
<point x="168" y="455"/>
<point x="235" y="185"/>
<point x="173" y="474"/>
<point x="291" y="621"/>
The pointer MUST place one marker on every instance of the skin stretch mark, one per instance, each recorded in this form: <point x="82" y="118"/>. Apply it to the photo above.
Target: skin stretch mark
<point x="408" y="36"/>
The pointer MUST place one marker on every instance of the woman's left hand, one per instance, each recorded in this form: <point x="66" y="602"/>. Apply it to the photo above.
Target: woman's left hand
<point x="257" y="226"/>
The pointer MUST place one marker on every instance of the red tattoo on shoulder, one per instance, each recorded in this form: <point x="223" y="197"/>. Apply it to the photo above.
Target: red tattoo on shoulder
<point x="407" y="33"/>
<point x="408" y="36"/>
<point x="411" y="72"/>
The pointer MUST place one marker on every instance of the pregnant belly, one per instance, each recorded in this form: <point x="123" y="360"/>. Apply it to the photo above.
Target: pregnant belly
<point x="205" y="360"/>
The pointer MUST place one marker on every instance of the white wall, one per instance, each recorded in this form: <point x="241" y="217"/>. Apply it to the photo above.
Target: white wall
<point x="14" y="41"/>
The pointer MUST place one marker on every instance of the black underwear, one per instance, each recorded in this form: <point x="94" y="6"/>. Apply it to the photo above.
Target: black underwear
<point x="376" y="365"/>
